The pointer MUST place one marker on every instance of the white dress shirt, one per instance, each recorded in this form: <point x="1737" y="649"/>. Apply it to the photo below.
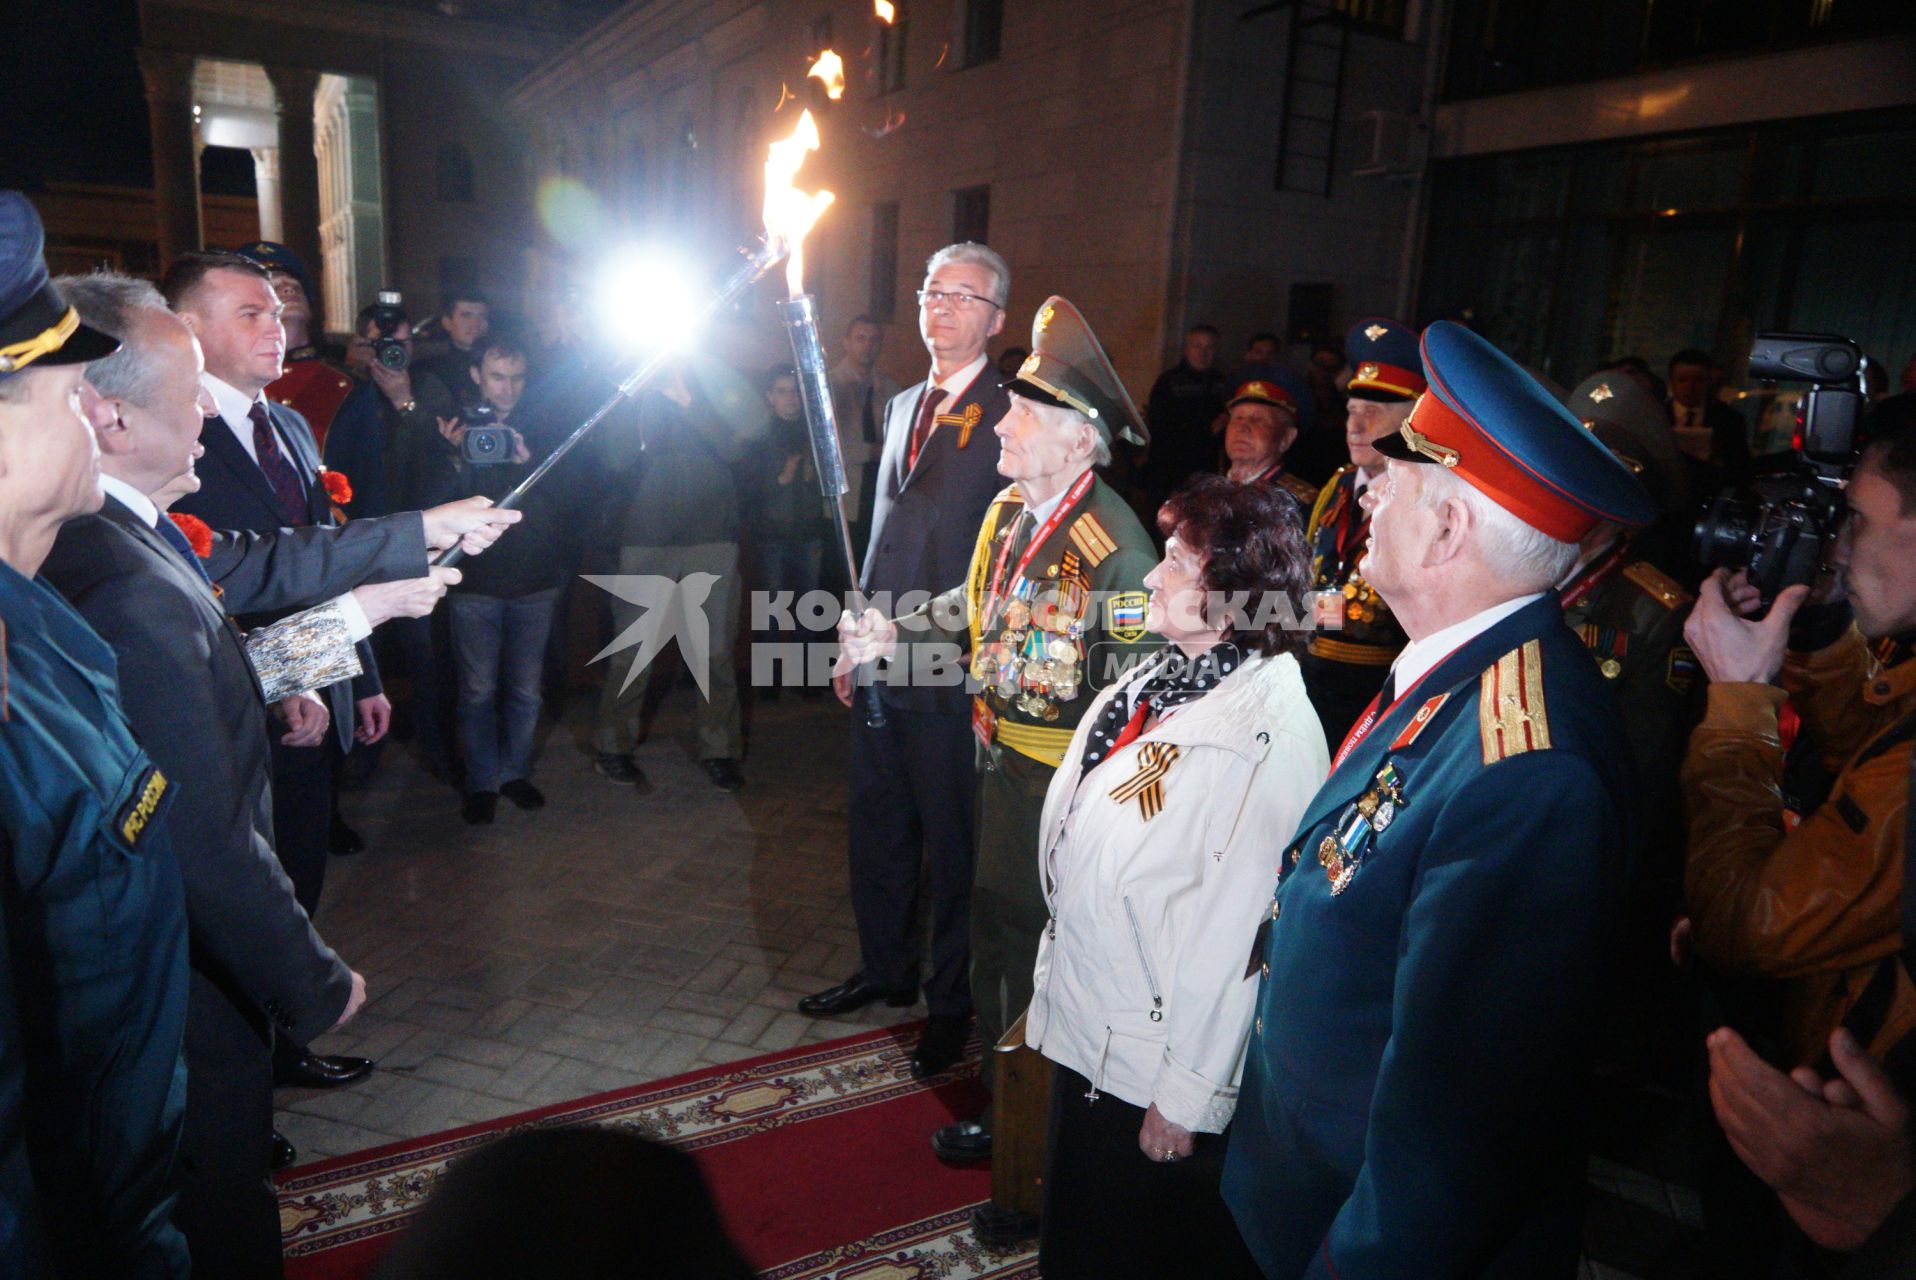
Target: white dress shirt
<point x="1419" y="656"/>
<point x="234" y="406"/>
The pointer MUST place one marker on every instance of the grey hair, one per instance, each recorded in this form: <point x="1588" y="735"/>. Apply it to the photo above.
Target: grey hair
<point x="970" y="253"/>
<point x="1534" y="559"/>
<point x="111" y="302"/>
<point x="1058" y="413"/>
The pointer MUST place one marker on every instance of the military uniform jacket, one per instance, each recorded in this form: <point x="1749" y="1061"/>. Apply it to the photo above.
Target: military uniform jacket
<point x="1075" y="626"/>
<point x="96" y="944"/>
<point x="1430" y="977"/>
<point x="925" y="517"/>
<point x="1369" y="634"/>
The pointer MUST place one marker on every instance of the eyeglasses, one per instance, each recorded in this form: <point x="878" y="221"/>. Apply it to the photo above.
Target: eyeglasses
<point x="956" y="301"/>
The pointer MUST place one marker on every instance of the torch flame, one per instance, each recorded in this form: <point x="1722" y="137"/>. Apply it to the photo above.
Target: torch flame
<point x="830" y="71"/>
<point x="789" y="212"/>
<point x="885" y="11"/>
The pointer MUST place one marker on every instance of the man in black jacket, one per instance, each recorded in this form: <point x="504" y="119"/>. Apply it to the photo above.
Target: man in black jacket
<point x="911" y="781"/>
<point x="258" y="967"/>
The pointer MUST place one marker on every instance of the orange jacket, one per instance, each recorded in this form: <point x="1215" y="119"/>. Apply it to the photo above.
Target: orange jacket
<point x="1817" y="906"/>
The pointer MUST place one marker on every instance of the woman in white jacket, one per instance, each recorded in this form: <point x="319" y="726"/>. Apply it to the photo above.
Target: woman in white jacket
<point x="1158" y="856"/>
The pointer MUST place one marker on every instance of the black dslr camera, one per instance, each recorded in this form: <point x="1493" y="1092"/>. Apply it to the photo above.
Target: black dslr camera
<point x="388" y="315"/>
<point x="486" y="443"/>
<point x="1781" y="536"/>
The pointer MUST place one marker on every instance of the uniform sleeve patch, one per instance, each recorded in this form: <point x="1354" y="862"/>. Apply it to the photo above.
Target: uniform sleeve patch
<point x="139" y="809"/>
<point x="1124" y="616"/>
<point x="1510" y="709"/>
<point x="1681" y="670"/>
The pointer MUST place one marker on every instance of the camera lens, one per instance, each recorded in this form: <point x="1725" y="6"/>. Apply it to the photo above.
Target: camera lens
<point x="1726" y="532"/>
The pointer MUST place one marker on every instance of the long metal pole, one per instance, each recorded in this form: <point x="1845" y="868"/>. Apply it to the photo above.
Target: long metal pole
<point x="762" y="258"/>
<point x="821" y="421"/>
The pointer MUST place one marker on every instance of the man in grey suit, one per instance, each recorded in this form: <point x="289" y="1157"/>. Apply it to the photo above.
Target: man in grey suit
<point x="911" y="780"/>
<point x="257" y="966"/>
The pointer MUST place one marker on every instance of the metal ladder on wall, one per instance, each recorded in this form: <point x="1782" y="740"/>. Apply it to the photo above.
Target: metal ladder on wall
<point x="1313" y="93"/>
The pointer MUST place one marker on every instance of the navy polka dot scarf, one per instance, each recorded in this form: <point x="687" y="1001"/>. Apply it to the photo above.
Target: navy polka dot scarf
<point x="1173" y="679"/>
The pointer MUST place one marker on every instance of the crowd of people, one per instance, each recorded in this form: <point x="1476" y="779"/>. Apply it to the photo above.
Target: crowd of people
<point x="1312" y="779"/>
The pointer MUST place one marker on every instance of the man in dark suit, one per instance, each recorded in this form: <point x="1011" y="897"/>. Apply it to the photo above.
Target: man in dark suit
<point x="257" y="966"/>
<point x="1707" y="430"/>
<point x="1434" y="961"/>
<point x="911" y="781"/>
<point x="261" y="473"/>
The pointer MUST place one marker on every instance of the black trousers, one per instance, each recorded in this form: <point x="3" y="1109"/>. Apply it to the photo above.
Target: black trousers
<point x="1110" y="1211"/>
<point x="911" y="807"/>
<point x="227" y="1207"/>
<point x="304" y="779"/>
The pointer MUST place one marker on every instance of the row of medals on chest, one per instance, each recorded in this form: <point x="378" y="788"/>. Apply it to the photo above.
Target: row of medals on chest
<point x="1032" y="662"/>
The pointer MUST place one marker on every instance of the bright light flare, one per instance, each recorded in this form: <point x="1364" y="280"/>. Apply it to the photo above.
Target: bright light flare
<point x="789" y="212"/>
<point x="829" y="71"/>
<point x="886" y="12"/>
<point x="645" y="299"/>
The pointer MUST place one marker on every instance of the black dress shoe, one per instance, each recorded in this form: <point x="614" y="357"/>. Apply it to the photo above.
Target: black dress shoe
<point x="999" y="1228"/>
<point x="523" y="794"/>
<point x="478" y="807"/>
<point x="619" y="768"/>
<point x="321" y="1071"/>
<point x="941" y="1045"/>
<point x="344" y="841"/>
<point x="724" y="773"/>
<point x="284" y="1154"/>
<point x="966" y="1142"/>
<point x="852" y="994"/>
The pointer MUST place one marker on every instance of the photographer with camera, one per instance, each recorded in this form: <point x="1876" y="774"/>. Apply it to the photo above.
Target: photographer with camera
<point x="499" y="619"/>
<point x="390" y="401"/>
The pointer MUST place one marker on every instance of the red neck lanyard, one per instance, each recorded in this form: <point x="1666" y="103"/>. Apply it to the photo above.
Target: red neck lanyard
<point x="1598" y="572"/>
<point x="1371" y="715"/>
<point x="1071" y="499"/>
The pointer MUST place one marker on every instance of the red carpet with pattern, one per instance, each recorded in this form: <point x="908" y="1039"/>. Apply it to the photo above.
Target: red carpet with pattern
<point x="818" y="1158"/>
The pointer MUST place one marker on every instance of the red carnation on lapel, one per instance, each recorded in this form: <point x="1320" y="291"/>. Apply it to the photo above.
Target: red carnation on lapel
<point x="199" y="535"/>
<point x="338" y="488"/>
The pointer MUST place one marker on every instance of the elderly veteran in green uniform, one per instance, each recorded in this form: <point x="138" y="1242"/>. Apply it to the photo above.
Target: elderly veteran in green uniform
<point x="1051" y="611"/>
<point x="95" y="922"/>
<point x="1436" y="954"/>
<point x="1356" y="637"/>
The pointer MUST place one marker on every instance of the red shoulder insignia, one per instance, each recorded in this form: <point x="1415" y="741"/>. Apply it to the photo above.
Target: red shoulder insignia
<point x="1425" y="714"/>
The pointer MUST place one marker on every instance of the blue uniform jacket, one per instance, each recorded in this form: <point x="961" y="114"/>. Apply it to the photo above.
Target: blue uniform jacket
<point x="96" y="948"/>
<point x="1410" y="1102"/>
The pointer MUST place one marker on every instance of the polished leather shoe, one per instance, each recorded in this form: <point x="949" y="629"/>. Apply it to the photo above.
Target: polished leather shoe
<point x="284" y="1154"/>
<point x="321" y="1071"/>
<point x="941" y="1045"/>
<point x="523" y="794"/>
<point x="852" y="994"/>
<point x="998" y="1228"/>
<point x="966" y="1142"/>
<point x="724" y="773"/>
<point x="478" y="807"/>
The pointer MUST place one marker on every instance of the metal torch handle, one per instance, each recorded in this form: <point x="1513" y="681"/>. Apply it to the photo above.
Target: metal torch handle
<point x="821" y="421"/>
<point x="762" y="258"/>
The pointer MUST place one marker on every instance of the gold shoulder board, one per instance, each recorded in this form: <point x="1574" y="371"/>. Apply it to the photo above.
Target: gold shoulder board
<point x="1657" y="584"/>
<point x="1090" y="538"/>
<point x="1510" y="710"/>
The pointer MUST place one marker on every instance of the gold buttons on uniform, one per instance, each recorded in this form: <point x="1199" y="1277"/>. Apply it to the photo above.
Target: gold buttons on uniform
<point x="1266" y="968"/>
<point x="1259" y="1024"/>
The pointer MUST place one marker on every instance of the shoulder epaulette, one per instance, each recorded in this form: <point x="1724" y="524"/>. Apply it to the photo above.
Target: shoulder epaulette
<point x="1510" y="710"/>
<point x="1300" y="488"/>
<point x="1007" y="494"/>
<point x="1090" y="538"/>
<point x="1657" y="584"/>
<point x="1324" y="496"/>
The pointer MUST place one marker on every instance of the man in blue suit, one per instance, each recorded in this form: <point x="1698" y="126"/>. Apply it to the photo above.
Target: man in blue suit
<point x="261" y="472"/>
<point x="1433" y="960"/>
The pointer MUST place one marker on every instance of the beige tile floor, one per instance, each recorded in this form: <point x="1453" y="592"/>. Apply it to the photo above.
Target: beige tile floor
<point x="612" y="938"/>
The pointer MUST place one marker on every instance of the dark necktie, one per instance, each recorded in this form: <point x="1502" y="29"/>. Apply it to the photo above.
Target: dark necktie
<point x="279" y="473"/>
<point x="170" y="532"/>
<point x="921" y="429"/>
<point x="870" y="418"/>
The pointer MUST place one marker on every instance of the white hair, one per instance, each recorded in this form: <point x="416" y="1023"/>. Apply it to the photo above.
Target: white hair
<point x="970" y="253"/>
<point x="1532" y="558"/>
<point x="111" y="303"/>
<point x="1065" y="415"/>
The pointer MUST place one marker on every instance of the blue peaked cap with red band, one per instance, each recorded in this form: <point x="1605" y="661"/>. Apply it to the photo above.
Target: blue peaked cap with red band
<point x="1499" y="429"/>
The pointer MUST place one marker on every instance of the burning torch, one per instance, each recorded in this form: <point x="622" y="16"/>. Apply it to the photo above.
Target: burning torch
<point x="789" y="214"/>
